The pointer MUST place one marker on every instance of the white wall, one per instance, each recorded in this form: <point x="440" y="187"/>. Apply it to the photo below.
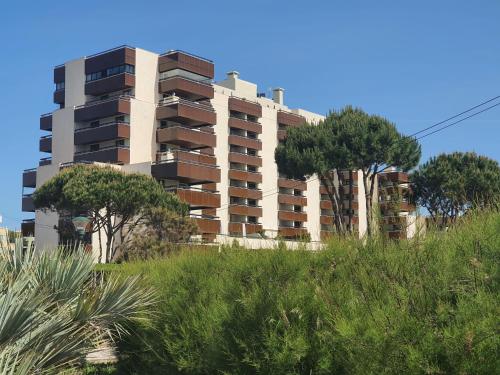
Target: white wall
<point x="46" y="237"/>
<point x="74" y="86"/>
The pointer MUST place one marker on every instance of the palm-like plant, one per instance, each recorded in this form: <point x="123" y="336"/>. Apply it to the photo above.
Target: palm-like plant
<point x="54" y="310"/>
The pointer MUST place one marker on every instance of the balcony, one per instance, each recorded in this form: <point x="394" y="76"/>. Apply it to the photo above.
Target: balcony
<point x="245" y="106"/>
<point x="236" y="174"/>
<point x="117" y="82"/>
<point x="236" y="157"/>
<point x="197" y="198"/>
<point x="186" y="167"/>
<point x="186" y="61"/>
<point x="186" y="137"/>
<point x="194" y="90"/>
<point x="117" y="105"/>
<point x="292" y="199"/>
<point x="46" y="122"/>
<point x="186" y="112"/>
<point x="239" y="192"/>
<point x="326" y="220"/>
<point x="107" y="59"/>
<point x="101" y="133"/>
<point x="59" y="96"/>
<point x="250" y="228"/>
<point x="401" y="206"/>
<point x="46" y="143"/>
<point x="245" y="210"/>
<point x="113" y="155"/>
<point x="281" y="135"/>
<point x="45" y="161"/>
<point x="29" y="178"/>
<point x="291" y="232"/>
<point x="207" y="224"/>
<point x="292" y="216"/>
<point x="327" y="205"/>
<point x="239" y="123"/>
<point x="27" y="203"/>
<point x="252" y="143"/>
<point x="290" y="119"/>
<point x="28" y="228"/>
<point x="399" y="177"/>
<point x="292" y="184"/>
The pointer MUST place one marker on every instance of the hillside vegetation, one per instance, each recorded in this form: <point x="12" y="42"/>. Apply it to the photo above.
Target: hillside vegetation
<point x="427" y="306"/>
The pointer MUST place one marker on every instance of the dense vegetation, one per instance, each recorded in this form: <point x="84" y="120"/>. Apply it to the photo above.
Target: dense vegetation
<point x="427" y="306"/>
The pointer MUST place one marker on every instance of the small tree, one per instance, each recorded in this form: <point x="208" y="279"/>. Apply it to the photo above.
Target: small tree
<point x="113" y="200"/>
<point x="450" y="184"/>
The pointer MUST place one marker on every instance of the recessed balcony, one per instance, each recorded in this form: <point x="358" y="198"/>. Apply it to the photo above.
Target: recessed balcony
<point x="113" y="155"/>
<point x="46" y="122"/>
<point x="292" y="184"/>
<point x="207" y="224"/>
<point x="292" y="199"/>
<point x="236" y="157"/>
<point x="236" y="174"/>
<point x="197" y="198"/>
<point x="101" y="133"/>
<point x="245" y="106"/>
<point x="194" y="90"/>
<point x="186" y="167"/>
<point x="291" y="232"/>
<point x="238" y="123"/>
<point x="113" y="106"/>
<point x="281" y="135"/>
<point x="28" y="228"/>
<point x="240" y="192"/>
<point x="186" y="112"/>
<point x="59" y="96"/>
<point x="46" y="143"/>
<point x="252" y="143"/>
<point x="117" y="82"/>
<point x="245" y="210"/>
<point x="292" y="216"/>
<point x="27" y="203"/>
<point x="400" y="177"/>
<point x="250" y="228"/>
<point x="29" y="178"/>
<point x="186" y="137"/>
<point x="290" y="119"/>
<point x="45" y="161"/>
<point x="186" y="61"/>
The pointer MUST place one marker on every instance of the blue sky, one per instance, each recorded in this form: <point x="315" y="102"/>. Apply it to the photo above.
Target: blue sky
<point x="415" y="63"/>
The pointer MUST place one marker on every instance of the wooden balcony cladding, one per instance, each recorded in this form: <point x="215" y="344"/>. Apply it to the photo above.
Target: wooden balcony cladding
<point x="292" y="232"/>
<point x="237" y="228"/>
<point x="186" y="172"/>
<point x="115" y="57"/>
<point x="114" y="83"/>
<point x="292" y="199"/>
<point x="46" y="122"/>
<point x="102" y="133"/>
<point x="28" y="228"/>
<point x="397" y="206"/>
<point x="235" y="174"/>
<point x="115" y="155"/>
<point x="199" y="199"/>
<point x="292" y="216"/>
<point x="236" y="209"/>
<point x="281" y="135"/>
<point x="251" y="126"/>
<point x="326" y="220"/>
<point x="195" y="157"/>
<point x="59" y="96"/>
<point x="104" y="108"/>
<point x="208" y="225"/>
<point x="186" y="137"/>
<point x="400" y="177"/>
<point x="327" y="205"/>
<point x="234" y="191"/>
<point x="322" y="189"/>
<point x="46" y="144"/>
<point x="186" y="61"/>
<point x="45" y="161"/>
<point x="236" y="140"/>
<point x="186" y="113"/>
<point x="290" y="119"/>
<point x="245" y="106"/>
<point x="235" y="157"/>
<point x="27" y="204"/>
<point x="292" y="184"/>
<point x="29" y="178"/>
<point x="59" y="74"/>
<point x="186" y="87"/>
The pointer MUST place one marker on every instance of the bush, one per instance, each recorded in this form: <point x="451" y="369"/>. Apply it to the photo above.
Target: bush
<point x="429" y="306"/>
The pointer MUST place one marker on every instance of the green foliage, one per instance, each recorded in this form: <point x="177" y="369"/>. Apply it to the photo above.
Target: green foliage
<point x="428" y="306"/>
<point x="115" y="201"/>
<point x="450" y="184"/>
<point x="54" y="310"/>
<point x="161" y="233"/>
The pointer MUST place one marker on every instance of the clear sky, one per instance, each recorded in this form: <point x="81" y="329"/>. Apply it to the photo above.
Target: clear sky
<point x="414" y="62"/>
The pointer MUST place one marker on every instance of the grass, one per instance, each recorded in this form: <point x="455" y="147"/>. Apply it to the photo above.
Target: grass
<point x="426" y="306"/>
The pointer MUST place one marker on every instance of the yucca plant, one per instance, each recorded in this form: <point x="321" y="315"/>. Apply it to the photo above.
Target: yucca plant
<point x="54" y="309"/>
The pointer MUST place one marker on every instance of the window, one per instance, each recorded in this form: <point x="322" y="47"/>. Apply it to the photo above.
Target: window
<point x="94" y="124"/>
<point x="60" y="86"/>
<point x="94" y="147"/>
<point x="252" y="185"/>
<point x="120" y="118"/>
<point x="126" y="68"/>
<point x="120" y="142"/>
<point x="163" y="147"/>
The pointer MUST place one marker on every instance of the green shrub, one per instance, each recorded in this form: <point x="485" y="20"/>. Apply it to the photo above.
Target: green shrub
<point x="428" y="306"/>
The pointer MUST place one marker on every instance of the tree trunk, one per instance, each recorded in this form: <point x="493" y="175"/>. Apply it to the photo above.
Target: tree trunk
<point x="109" y="235"/>
<point x="367" y="204"/>
<point x="334" y="198"/>
<point x="373" y="181"/>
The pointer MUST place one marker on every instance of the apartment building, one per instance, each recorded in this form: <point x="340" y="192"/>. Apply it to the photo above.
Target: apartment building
<point x="211" y="143"/>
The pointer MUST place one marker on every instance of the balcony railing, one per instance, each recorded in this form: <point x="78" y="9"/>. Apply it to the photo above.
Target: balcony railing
<point x="172" y="100"/>
<point x="101" y="149"/>
<point x="89" y="127"/>
<point x="108" y="99"/>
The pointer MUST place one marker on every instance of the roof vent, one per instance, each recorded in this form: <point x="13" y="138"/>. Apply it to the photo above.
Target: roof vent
<point x="233" y="74"/>
<point x="278" y="94"/>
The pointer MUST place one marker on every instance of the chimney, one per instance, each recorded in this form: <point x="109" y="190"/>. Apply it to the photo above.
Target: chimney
<point x="278" y="95"/>
<point x="233" y="74"/>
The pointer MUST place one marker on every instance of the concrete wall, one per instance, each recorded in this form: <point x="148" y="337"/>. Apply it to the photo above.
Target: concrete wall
<point x="46" y="237"/>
